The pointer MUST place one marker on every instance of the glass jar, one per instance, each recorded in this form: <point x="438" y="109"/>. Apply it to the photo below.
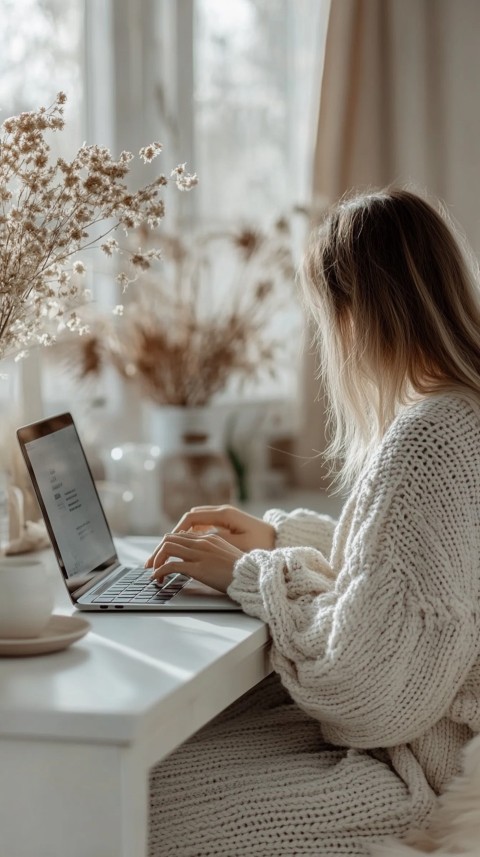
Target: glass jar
<point x="194" y="468"/>
<point x="131" y="492"/>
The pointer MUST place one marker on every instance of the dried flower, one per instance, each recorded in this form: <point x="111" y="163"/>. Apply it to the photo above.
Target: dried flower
<point x="184" y="180"/>
<point x="148" y="153"/>
<point x="248" y="241"/>
<point x="50" y="211"/>
<point x="176" y="339"/>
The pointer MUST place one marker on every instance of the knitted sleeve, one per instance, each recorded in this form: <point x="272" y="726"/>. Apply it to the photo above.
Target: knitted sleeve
<point x="377" y="648"/>
<point x="302" y="527"/>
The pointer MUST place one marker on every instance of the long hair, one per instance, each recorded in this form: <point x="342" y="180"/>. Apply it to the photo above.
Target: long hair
<point x="396" y="303"/>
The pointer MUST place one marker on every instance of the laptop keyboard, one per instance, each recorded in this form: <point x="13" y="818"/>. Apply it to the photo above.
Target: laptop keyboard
<point x="137" y="588"/>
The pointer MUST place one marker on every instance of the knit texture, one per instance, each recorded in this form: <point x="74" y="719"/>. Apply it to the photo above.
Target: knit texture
<point x="375" y="637"/>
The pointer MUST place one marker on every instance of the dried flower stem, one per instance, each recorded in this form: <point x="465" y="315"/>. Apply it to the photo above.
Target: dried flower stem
<point x="178" y="344"/>
<point x="48" y="212"/>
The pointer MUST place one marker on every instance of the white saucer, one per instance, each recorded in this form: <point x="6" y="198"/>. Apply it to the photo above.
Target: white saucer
<point x="60" y="632"/>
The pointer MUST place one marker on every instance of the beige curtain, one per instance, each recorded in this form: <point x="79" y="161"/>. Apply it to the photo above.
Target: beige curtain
<point x="400" y="102"/>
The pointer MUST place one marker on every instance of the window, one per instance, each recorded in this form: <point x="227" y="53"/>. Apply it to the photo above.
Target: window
<point x="254" y="72"/>
<point x="41" y="45"/>
<point x="230" y="86"/>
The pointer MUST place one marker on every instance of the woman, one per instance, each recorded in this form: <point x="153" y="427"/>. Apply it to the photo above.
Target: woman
<point x="374" y="620"/>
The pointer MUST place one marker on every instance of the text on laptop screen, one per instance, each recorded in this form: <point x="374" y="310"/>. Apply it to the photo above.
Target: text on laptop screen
<point x="70" y="499"/>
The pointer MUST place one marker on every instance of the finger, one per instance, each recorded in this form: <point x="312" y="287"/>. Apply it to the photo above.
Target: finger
<point x="189" y="547"/>
<point x="168" y="568"/>
<point x="206" y="516"/>
<point x="207" y="558"/>
<point x="151" y="559"/>
<point x="234" y="537"/>
<point x="209" y="508"/>
<point x="203" y="539"/>
<point x="228" y="534"/>
<point x="176" y="547"/>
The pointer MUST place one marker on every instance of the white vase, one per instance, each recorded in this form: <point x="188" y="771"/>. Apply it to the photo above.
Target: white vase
<point x="195" y="469"/>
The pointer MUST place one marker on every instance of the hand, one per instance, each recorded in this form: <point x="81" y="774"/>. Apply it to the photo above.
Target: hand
<point x="239" y="529"/>
<point x="207" y="558"/>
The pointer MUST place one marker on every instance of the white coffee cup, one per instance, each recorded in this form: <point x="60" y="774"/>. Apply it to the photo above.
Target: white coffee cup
<point x="26" y="597"/>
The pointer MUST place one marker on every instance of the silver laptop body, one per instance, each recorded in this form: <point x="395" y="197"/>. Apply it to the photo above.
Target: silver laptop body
<point x="81" y="538"/>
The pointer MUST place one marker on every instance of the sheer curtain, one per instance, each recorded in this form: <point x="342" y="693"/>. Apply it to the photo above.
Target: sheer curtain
<point x="399" y="103"/>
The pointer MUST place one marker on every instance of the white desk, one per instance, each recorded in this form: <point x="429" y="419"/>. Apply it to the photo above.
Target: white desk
<point x="79" y="729"/>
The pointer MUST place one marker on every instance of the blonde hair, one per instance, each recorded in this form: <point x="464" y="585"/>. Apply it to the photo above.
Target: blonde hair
<point x="397" y="311"/>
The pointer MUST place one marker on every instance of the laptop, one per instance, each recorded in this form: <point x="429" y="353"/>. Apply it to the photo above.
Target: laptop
<point x="81" y="537"/>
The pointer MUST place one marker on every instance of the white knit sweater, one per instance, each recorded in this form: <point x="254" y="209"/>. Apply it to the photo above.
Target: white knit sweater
<point x="378" y="637"/>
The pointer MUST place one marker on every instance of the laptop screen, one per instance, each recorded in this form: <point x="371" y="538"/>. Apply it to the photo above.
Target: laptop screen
<point x="67" y="495"/>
